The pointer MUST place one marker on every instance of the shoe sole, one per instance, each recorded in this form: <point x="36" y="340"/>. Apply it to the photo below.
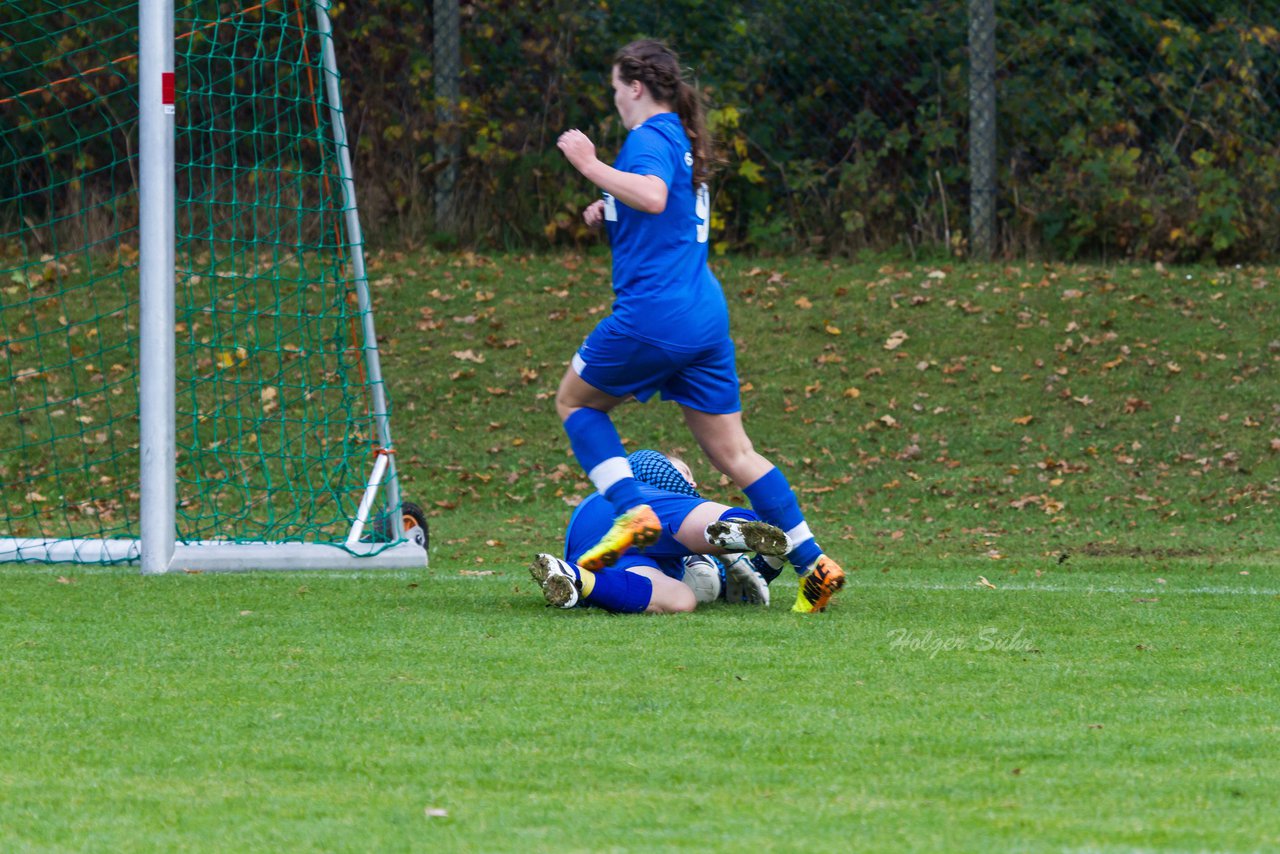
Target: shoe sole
<point x="759" y="537"/>
<point x="599" y="560"/>
<point x="540" y="569"/>
<point x="557" y="589"/>
<point x="559" y="592"/>
<point x="602" y="554"/>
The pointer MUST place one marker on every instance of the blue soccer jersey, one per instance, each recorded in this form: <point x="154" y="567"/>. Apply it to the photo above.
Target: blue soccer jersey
<point x="665" y="294"/>
<point x="594" y="516"/>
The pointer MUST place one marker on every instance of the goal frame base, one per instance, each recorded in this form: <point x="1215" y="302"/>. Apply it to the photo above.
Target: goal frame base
<point x="217" y="556"/>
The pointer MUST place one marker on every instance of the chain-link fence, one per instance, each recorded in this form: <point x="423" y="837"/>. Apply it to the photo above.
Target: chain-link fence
<point x="1054" y="127"/>
<point x="1051" y="127"/>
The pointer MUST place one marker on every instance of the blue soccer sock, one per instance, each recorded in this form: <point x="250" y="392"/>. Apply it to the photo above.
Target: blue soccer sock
<point x="740" y="514"/>
<point x="599" y="450"/>
<point x="773" y="498"/>
<point x="617" y="590"/>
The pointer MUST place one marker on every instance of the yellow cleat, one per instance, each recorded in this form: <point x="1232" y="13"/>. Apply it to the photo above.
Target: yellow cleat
<point x="818" y="585"/>
<point x="639" y="527"/>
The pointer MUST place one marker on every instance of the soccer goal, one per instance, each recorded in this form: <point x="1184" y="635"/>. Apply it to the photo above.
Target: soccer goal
<point x="189" y="373"/>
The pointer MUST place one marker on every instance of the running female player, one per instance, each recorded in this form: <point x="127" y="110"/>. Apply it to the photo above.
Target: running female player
<point x="669" y="329"/>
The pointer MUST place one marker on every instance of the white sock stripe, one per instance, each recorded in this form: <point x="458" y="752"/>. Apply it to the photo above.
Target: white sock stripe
<point x="609" y="472"/>
<point x="799" y="534"/>
<point x="578" y="364"/>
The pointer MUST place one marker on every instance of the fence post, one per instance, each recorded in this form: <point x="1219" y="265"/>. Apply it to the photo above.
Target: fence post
<point x="982" y="128"/>
<point x="446" y="61"/>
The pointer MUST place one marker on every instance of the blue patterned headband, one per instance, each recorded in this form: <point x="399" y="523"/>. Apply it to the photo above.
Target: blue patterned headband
<point x="655" y="469"/>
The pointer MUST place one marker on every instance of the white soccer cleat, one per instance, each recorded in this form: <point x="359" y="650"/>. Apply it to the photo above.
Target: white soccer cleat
<point x="734" y="535"/>
<point x="702" y="576"/>
<point x="742" y="583"/>
<point x="557" y="579"/>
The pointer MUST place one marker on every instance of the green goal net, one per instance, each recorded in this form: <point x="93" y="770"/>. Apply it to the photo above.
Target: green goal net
<point x="280" y="416"/>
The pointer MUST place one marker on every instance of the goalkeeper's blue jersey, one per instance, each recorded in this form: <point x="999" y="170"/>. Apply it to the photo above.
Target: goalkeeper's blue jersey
<point x="592" y="519"/>
<point x="664" y="292"/>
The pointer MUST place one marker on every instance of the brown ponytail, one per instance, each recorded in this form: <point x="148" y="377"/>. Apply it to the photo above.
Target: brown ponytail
<point x="658" y="68"/>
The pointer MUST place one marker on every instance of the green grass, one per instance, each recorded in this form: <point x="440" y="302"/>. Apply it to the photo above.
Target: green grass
<point x="1102" y="445"/>
<point x="1090" y="707"/>
<point x="1029" y="409"/>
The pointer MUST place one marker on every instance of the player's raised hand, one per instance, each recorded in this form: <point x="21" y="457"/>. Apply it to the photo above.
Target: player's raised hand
<point x="578" y="148"/>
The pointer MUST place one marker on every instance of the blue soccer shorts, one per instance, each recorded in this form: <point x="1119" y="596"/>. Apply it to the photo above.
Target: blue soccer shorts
<point x="620" y="365"/>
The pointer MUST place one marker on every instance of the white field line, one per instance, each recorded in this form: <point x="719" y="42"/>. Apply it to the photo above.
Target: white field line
<point x="521" y="573"/>
<point x="1163" y="589"/>
<point x="974" y="587"/>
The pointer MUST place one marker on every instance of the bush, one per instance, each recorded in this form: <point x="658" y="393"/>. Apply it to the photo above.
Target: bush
<point x="1146" y="130"/>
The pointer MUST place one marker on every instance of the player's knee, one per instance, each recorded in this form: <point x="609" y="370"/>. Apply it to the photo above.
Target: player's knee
<point x="673" y="598"/>
<point x="565" y="404"/>
<point x="732" y="457"/>
<point x="685" y="600"/>
<point x="569" y="395"/>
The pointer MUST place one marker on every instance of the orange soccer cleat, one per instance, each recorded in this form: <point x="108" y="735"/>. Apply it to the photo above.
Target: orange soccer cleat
<point x="639" y="526"/>
<point x="818" y="585"/>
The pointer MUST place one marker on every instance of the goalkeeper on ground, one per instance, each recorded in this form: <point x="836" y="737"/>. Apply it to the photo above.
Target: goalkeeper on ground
<point x="675" y="574"/>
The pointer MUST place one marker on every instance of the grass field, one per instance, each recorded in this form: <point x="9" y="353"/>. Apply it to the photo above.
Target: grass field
<point x="1054" y="487"/>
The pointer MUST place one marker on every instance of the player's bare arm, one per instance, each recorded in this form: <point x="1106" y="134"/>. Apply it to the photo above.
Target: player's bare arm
<point x="645" y="193"/>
